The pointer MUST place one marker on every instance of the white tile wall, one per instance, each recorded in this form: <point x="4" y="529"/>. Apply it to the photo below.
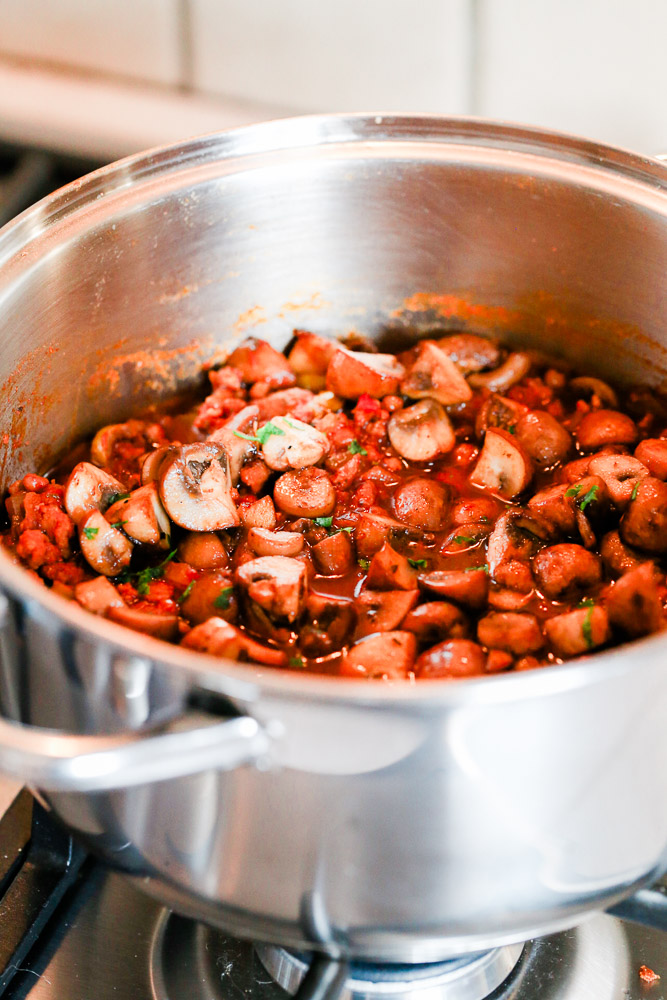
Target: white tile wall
<point x="136" y="38"/>
<point x="325" y="55"/>
<point x="594" y="67"/>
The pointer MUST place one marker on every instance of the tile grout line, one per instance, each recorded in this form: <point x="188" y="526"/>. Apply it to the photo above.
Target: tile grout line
<point x="186" y="55"/>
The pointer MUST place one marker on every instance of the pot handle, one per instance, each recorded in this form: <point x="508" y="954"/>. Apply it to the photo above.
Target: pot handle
<point x="57" y="762"/>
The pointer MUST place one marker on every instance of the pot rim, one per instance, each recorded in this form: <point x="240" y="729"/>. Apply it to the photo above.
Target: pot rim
<point x="246" y="682"/>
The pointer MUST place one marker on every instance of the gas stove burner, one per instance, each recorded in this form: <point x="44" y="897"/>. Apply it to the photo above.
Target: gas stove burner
<point x="471" y="977"/>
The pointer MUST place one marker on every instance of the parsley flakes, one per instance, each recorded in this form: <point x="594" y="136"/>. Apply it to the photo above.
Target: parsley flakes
<point x="263" y="434"/>
<point x="355" y="448"/>
<point x="224" y="598"/>
<point x="90" y="533"/>
<point x="587" y="628"/>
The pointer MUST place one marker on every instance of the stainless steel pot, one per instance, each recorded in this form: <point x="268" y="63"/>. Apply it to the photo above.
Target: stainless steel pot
<point x="391" y="822"/>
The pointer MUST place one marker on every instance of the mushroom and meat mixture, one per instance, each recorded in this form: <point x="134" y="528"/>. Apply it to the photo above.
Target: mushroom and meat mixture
<point x="451" y="511"/>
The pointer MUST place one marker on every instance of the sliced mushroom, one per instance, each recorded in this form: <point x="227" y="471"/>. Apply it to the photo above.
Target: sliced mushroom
<point x="452" y="659"/>
<point x="620" y="473"/>
<point x="503" y="378"/>
<point x="334" y="555"/>
<point x="219" y="638"/>
<point x="470" y="352"/>
<point x="578" y="631"/>
<point x="469" y="510"/>
<point x="89" y="488"/>
<point x="504" y="467"/>
<point x="354" y="373"/>
<point x="464" y="537"/>
<point x="97" y="595"/>
<point x="584" y="385"/>
<point x="383" y="610"/>
<point x="142" y="517"/>
<point x="233" y="437"/>
<point x="469" y="587"/>
<point x="517" y="535"/>
<point x="306" y="493"/>
<point x="391" y="655"/>
<point x="104" y="442"/>
<point x="555" y="506"/>
<point x="435" y="621"/>
<point x="565" y="569"/>
<point x="421" y="432"/>
<point x="653" y="453"/>
<point x="260" y="515"/>
<point x="293" y="444"/>
<point x="606" y="427"/>
<point x="151" y="463"/>
<point x="275" y="543"/>
<point x="644" y="524"/>
<point x="276" y="583"/>
<point x="499" y="411"/>
<point x="618" y="557"/>
<point x="633" y="602"/>
<point x="203" y="550"/>
<point x="157" y="624"/>
<point x="259" y="362"/>
<point x="195" y="488"/>
<point x="422" y="503"/>
<point x="390" y="571"/>
<point x="210" y="596"/>
<point x="106" y="549"/>
<point x="503" y="599"/>
<point x="311" y="354"/>
<point x="435" y="376"/>
<point x="373" y="530"/>
<point x="330" y="623"/>
<point x="544" y="438"/>
<point x="513" y="631"/>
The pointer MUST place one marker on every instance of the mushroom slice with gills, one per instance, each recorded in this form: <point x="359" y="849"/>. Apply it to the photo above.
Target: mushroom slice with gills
<point x="203" y="550"/>
<point x="354" y="373"/>
<point x="577" y="632"/>
<point x="565" y="569"/>
<point x="305" y="493"/>
<point x="103" y="444"/>
<point x="505" y="376"/>
<point x="219" y="638"/>
<point x="275" y="543"/>
<point x="104" y="548"/>
<point x="157" y="624"/>
<point x="330" y="622"/>
<point x="195" y="488"/>
<point x="435" y="376"/>
<point x="152" y="461"/>
<point x="233" y="437"/>
<point x="259" y="362"/>
<point x="435" y="621"/>
<point x="390" y="655"/>
<point x="97" y="595"/>
<point x="390" y="571"/>
<point x="644" y="524"/>
<point x="586" y="386"/>
<point x="334" y="555"/>
<point x="383" y="610"/>
<point x="261" y="514"/>
<point x="142" y="517"/>
<point x="504" y="467"/>
<point x="652" y="452"/>
<point x="373" y="530"/>
<point x="470" y="352"/>
<point x="517" y="535"/>
<point x="210" y="596"/>
<point x="276" y="583"/>
<point x="499" y="411"/>
<point x="421" y="432"/>
<point x="452" y="659"/>
<point x="546" y="441"/>
<point x="620" y="473"/>
<point x="422" y="503"/>
<point x="633" y="603"/>
<point x="89" y="488"/>
<point x="512" y="631"/>
<point x="288" y="443"/>
<point x="469" y="587"/>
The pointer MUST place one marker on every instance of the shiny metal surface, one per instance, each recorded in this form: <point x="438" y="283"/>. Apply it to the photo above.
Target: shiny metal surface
<point x="406" y="823"/>
<point x="115" y="942"/>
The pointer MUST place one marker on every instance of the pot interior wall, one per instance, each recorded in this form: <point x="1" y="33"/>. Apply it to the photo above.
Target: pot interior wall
<point x="112" y="295"/>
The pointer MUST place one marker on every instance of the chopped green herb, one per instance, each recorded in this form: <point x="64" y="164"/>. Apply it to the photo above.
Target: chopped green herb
<point x="186" y="592"/>
<point x="323" y="522"/>
<point x="512" y="429"/>
<point x="573" y="491"/>
<point x="587" y="628"/>
<point x="267" y="431"/>
<point x="464" y="539"/>
<point x="633" y="495"/>
<point x="115" y="497"/>
<point x="90" y="533"/>
<point x="224" y="598"/>
<point x="473" y="569"/>
<point x="364" y="563"/>
<point x="418" y="563"/>
<point x="590" y="496"/>
<point x="246" y="437"/>
<point x="349" y="530"/>
<point x="118" y="524"/>
<point x="144" y="577"/>
<point x="296" y="661"/>
<point x="587" y="602"/>
<point x="355" y="448"/>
